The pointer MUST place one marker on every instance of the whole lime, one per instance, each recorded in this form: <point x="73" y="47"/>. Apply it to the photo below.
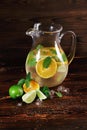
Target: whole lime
<point x="15" y="91"/>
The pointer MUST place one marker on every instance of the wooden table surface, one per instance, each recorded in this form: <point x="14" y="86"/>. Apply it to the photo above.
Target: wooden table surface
<point x="66" y="113"/>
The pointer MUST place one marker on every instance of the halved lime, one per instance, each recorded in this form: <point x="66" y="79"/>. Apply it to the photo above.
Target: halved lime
<point x="40" y="95"/>
<point x="29" y="96"/>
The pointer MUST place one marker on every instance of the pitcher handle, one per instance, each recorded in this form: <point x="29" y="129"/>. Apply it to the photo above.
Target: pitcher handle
<point x="73" y="46"/>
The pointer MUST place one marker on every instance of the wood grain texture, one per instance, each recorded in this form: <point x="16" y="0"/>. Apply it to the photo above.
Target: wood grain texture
<point x="67" y="113"/>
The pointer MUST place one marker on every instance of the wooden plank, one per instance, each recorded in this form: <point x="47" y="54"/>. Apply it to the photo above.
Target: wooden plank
<point x="45" y="4"/>
<point x="66" y="113"/>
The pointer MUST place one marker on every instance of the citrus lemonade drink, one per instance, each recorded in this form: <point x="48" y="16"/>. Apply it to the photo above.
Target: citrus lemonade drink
<point x="47" y="65"/>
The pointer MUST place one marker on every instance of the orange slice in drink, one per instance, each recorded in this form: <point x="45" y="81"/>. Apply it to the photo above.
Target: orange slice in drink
<point x="48" y="72"/>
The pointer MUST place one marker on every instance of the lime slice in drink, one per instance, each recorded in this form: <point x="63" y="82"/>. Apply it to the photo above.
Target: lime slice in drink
<point x="41" y="95"/>
<point x="62" y="67"/>
<point x="29" y="96"/>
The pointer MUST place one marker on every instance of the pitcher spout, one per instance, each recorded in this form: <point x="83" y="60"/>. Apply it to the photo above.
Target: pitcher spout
<point x="33" y="31"/>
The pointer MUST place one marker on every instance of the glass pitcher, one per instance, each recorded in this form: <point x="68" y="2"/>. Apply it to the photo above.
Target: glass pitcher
<point x="46" y="61"/>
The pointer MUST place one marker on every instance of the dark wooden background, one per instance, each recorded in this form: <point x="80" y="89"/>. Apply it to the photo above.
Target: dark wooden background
<point x="16" y="16"/>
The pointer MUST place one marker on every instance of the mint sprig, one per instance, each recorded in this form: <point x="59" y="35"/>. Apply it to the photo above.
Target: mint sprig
<point x="59" y="94"/>
<point x="45" y="90"/>
<point x="26" y="80"/>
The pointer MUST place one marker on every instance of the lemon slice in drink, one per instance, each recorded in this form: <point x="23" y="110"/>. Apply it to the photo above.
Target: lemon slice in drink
<point x="29" y="96"/>
<point x="48" y="72"/>
<point x="41" y="95"/>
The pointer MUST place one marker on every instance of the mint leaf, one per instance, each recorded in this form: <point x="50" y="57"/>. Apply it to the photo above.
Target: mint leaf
<point x="64" y="57"/>
<point x="27" y="83"/>
<point x="56" y="58"/>
<point x="28" y="79"/>
<point x="31" y="54"/>
<point x="28" y="76"/>
<point x="39" y="47"/>
<point x="21" y="82"/>
<point x="32" y="62"/>
<point x="53" y="51"/>
<point x="47" y="62"/>
<point x="46" y="91"/>
<point x="59" y="94"/>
